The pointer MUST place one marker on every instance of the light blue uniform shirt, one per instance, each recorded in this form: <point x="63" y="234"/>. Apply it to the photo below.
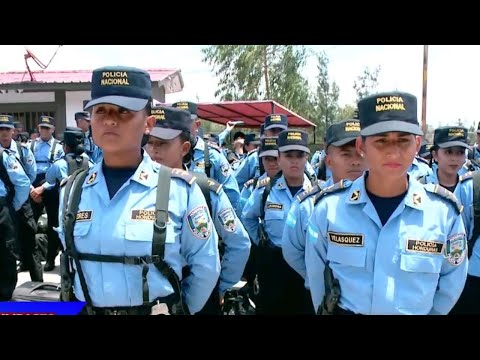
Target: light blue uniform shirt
<point x="235" y="238"/>
<point x="220" y="170"/>
<point x="246" y="192"/>
<point x="464" y="193"/>
<point x="222" y="136"/>
<point x="29" y="164"/>
<point x="42" y="150"/>
<point x="112" y="227"/>
<point x="415" y="264"/>
<point x="59" y="169"/>
<point x="248" y="168"/>
<point x="294" y="234"/>
<point x="276" y="209"/>
<point x="317" y="157"/>
<point x="418" y="169"/>
<point x="93" y="151"/>
<point x="18" y="177"/>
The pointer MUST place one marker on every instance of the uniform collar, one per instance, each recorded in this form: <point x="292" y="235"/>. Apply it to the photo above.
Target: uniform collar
<point x="49" y="142"/>
<point x="146" y="173"/>
<point x="415" y="198"/>
<point x="281" y="183"/>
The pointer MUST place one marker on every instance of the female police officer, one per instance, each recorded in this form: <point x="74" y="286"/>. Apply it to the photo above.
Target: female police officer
<point x="121" y="268"/>
<point x="169" y="142"/>
<point x="395" y="246"/>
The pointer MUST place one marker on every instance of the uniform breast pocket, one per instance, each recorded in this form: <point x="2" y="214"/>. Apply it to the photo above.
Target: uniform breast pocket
<point x="274" y="224"/>
<point x="81" y="229"/>
<point x="347" y="255"/>
<point x="139" y="232"/>
<point x="416" y="286"/>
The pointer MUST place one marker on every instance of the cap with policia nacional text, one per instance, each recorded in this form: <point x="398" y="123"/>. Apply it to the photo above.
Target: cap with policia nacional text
<point x="425" y="149"/>
<point x="123" y="86"/>
<point x="387" y="112"/>
<point x="85" y="115"/>
<point x="72" y="136"/>
<point x="268" y="147"/>
<point x="289" y="140"/>
<point x="170" y="122"/>
<point x="191" y="107"/>
<point x="450" y="136"/>
<point x="6" y="121"/>
<point x="46" y="121"/>
<point x="273" y="121"/>
<point x="343" y="132"/>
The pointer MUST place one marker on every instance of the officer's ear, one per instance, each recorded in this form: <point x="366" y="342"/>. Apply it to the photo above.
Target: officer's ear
<point x="418" y="140"/>
<point x="186" y="146"/>
<point x="150" y="124"/>
<point x="360" y="145"/>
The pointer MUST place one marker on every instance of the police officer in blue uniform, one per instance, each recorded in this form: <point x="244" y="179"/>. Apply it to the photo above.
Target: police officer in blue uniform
<point x="73" y="146"/>
<point x="264" y="215"/>
<point x="46" y="150"/>
<point x="168" y="144"/>
<point x="217" y="166"/>
<point x="82" y="119"/>
<point x="128" y="248"/>
<point x="27" y="226"/>
<point x="395" y="246"/>
<point x="345" y="163"/>
<point x="14" y="190"/>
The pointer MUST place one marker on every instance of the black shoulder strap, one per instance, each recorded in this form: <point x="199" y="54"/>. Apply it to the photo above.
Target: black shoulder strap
<point x="70" y="206"/>
<point x="206" y="159"/>
<point x="311" y="177"/>
<point x="202" y="181"/>
<point x="32" y="146"/>
<point x="476" y="212"/>
<point x="422" y="179"/>
<point x="422" y="160"/>
<point x="470" y="154"/>
<point x="20" y="153"/>
<point x="75" y="162"/>
<point x="52" y="150"/>
<point x="6" y="179"/>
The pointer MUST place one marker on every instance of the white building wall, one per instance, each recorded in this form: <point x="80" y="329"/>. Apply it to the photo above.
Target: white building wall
<point x="74" y="103"/>
<point x="11" y="97"/>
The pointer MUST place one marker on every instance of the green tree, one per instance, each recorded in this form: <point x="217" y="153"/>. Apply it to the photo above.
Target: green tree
<point x="366" y="84"/>
<point x="261" y="72"/>
<point x="326" y="109"/>
<point x="346" y="112"/>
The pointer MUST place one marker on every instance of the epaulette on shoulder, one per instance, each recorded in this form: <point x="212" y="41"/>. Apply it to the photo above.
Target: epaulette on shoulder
<point x="263" y="182"/>
<point x="466" y="176"/>
<point x="184" y="175"/>
<point x="445" y="194"/>
<point x="339" y="186"/>
<point x="214" y="185"/>
<point x="422" y="160"/>
<point x="65" y="180"/>
<point x="248" y="183"/>
<point x="307" y="193"/>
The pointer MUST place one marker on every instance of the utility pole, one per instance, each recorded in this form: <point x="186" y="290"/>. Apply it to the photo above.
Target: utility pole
<point x="424" y="92"/>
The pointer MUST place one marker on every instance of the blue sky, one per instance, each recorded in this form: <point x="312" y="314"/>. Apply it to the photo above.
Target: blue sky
<point x="453" y="71"/>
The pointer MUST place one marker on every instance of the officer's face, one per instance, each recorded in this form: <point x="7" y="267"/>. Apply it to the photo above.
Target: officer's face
<point x="116" y="129"/>
<point x="46" y="132"/>
<point x="292" y="163"/>
<point x="389" y="154"/>
<point x="194" y="127"/>
<point x="273" y="132"/>
<point x="449" y="160"/>
<point x="167" y="152"/>
<point x="83" y="124"/>
<point x="345" y="162"/>
<point x="6" y="135"/>
<point x="270" y="164"/>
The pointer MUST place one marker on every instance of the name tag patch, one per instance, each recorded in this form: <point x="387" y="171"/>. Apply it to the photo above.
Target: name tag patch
<point x="346" y="239"/>
<point x="275" y="206"/>
<point x="425" y="246"/>
<point x="143" y="215"/>
<point x="84" y="215"/>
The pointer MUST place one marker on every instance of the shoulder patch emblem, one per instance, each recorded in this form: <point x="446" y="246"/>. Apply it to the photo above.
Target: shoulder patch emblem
<point x="227" y="219"/>
<point x="455" y="249"/>
<point x="199" y="222"/>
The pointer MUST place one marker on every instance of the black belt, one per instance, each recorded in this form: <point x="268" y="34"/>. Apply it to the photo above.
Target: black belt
<point x="128" y="310"/>
<point x="3" y="201"/>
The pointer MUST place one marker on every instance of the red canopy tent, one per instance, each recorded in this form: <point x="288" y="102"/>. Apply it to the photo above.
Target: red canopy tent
<point x="252" y="113"/>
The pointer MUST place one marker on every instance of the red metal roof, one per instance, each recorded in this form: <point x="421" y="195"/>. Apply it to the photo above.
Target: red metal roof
<point x="72" y="76"/>
<point x="252" y="113"/>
